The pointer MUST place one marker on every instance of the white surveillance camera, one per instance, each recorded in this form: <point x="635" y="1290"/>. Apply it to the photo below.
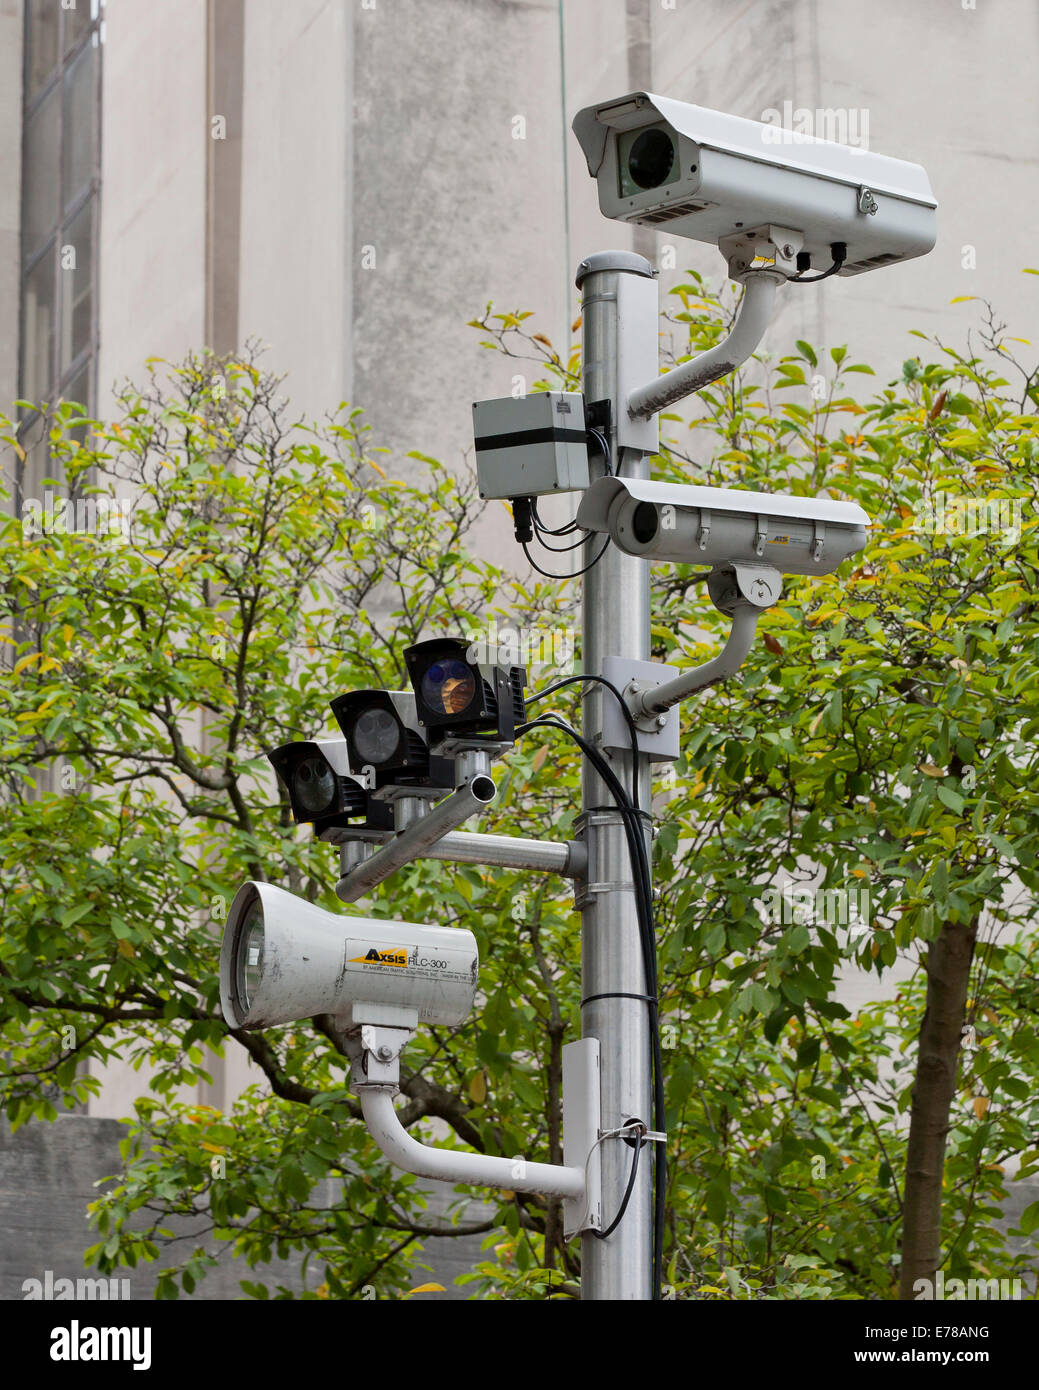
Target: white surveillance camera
<point x="283" y="959"/>
<point x="723" y="526"/>
<point x="714" y="177"/>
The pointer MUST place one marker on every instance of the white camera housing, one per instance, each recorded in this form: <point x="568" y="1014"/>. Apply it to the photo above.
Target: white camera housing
<point x="730" y="177"/>
<point x="714" y="526"/>
<point x="283" y="959"/>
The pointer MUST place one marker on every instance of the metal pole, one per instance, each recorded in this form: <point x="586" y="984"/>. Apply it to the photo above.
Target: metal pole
<point x="615" y="622"/>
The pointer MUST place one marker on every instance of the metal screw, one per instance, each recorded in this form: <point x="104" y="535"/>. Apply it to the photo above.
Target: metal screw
<point x="788" y="250"/>
<point x="384" y="1053"/>
<point x="661" y="720"/>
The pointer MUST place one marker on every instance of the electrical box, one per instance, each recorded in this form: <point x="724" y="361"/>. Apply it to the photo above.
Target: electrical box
<point x="527" y="446"/>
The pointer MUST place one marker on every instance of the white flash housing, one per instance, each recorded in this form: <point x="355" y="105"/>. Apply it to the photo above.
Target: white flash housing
<point x="283" y="959"/>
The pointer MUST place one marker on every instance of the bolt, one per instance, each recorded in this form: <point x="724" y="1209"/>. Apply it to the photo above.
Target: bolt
<point x="384" y="1053"/>
<point x="661" y="720"/>
<point x="788" y="250"/>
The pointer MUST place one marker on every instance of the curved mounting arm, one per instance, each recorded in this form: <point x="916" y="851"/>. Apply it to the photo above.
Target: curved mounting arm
<point x="752" y="319"/>
<point x="515" y="1175"/>
<point x="726" y="663"/>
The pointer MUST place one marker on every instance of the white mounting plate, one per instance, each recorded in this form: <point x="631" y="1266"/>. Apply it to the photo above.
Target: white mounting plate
<point x="660" y="744"/>
<point x="582" y="1116"/>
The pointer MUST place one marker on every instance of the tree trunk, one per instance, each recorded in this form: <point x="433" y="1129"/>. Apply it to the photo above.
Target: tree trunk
<point x="948" y="971"/>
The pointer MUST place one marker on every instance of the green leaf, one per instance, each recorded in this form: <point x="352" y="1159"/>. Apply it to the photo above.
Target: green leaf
<point x="806" y="350"/>
<point x="717" y="1202"/>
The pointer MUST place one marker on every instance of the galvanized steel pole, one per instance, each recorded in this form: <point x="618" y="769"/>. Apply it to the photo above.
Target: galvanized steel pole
<point x="615" y="622"/>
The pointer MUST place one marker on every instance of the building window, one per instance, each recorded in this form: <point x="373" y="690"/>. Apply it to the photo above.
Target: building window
<point x="60" y="182"/>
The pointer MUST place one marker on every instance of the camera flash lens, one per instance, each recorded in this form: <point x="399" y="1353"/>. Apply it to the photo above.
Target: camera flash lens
<point x="449" y="687"/>
<point x="314" y="786"/>
<point x="376" y="736"/>
<point x="250" y="955"/>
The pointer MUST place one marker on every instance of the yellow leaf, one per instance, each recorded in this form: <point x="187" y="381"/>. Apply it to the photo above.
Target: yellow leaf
<point x="980" y="1105"/>
<point x="478" y="1088"/>
<point x="931" y="770"/>
<point x="378" y="470"/>
<point x="125" y="949"/>
<point x="539" y="757"/>
<point x="576" y="324"/>
<point x="68" y="634"/>
<point x="428" y="1288"/>
<point x="25" y="661"/>
<point x="49" y="664"/>
<point x="212" y="1148"/>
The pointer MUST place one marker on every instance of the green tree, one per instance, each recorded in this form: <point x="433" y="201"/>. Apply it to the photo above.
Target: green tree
<point x="271" y="565"/>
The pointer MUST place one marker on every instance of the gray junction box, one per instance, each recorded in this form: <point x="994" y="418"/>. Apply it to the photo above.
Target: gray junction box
<point x="527" y="446"/>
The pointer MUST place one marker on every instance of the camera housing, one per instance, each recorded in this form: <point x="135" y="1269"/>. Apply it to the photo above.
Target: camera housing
<point x="323" y="791"/>
<point x="283" y="959"/>
<point x="707" y="175"/>
<point x="458" y="696"/>
<point x="383" y="740"/>
<point x="528" y="446"/>
<point x="713" y="526"/>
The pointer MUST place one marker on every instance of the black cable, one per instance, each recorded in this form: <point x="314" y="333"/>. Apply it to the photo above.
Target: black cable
<point x="539" y="525"/>
<point x="631" y="818"/>
<point x="557" y="549"/>
<point x="629" y="718"/>
<point x="604" y="446"/>
<point x="576" y="574"/>
<point x="602" y="1235"/>
<point x="839" y="252"/>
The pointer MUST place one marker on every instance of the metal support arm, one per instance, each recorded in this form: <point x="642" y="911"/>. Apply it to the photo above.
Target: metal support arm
<point x="375" y="1078"/>
<point x="420" y="835"/>
<point x="726" y="663"/>
<point x="568" y="857"/>
<point x="516" y="1175"/>
<point x="752" y="319"/>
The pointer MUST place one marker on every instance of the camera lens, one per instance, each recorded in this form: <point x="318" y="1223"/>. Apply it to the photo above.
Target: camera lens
<point x="651" y="158"/>
<point x="644" y="522"/>
<point x="376" y="736"/>
<point x="314" y="786"/>
<point x="449" y="687"/>
<point x="250" y="954"/>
